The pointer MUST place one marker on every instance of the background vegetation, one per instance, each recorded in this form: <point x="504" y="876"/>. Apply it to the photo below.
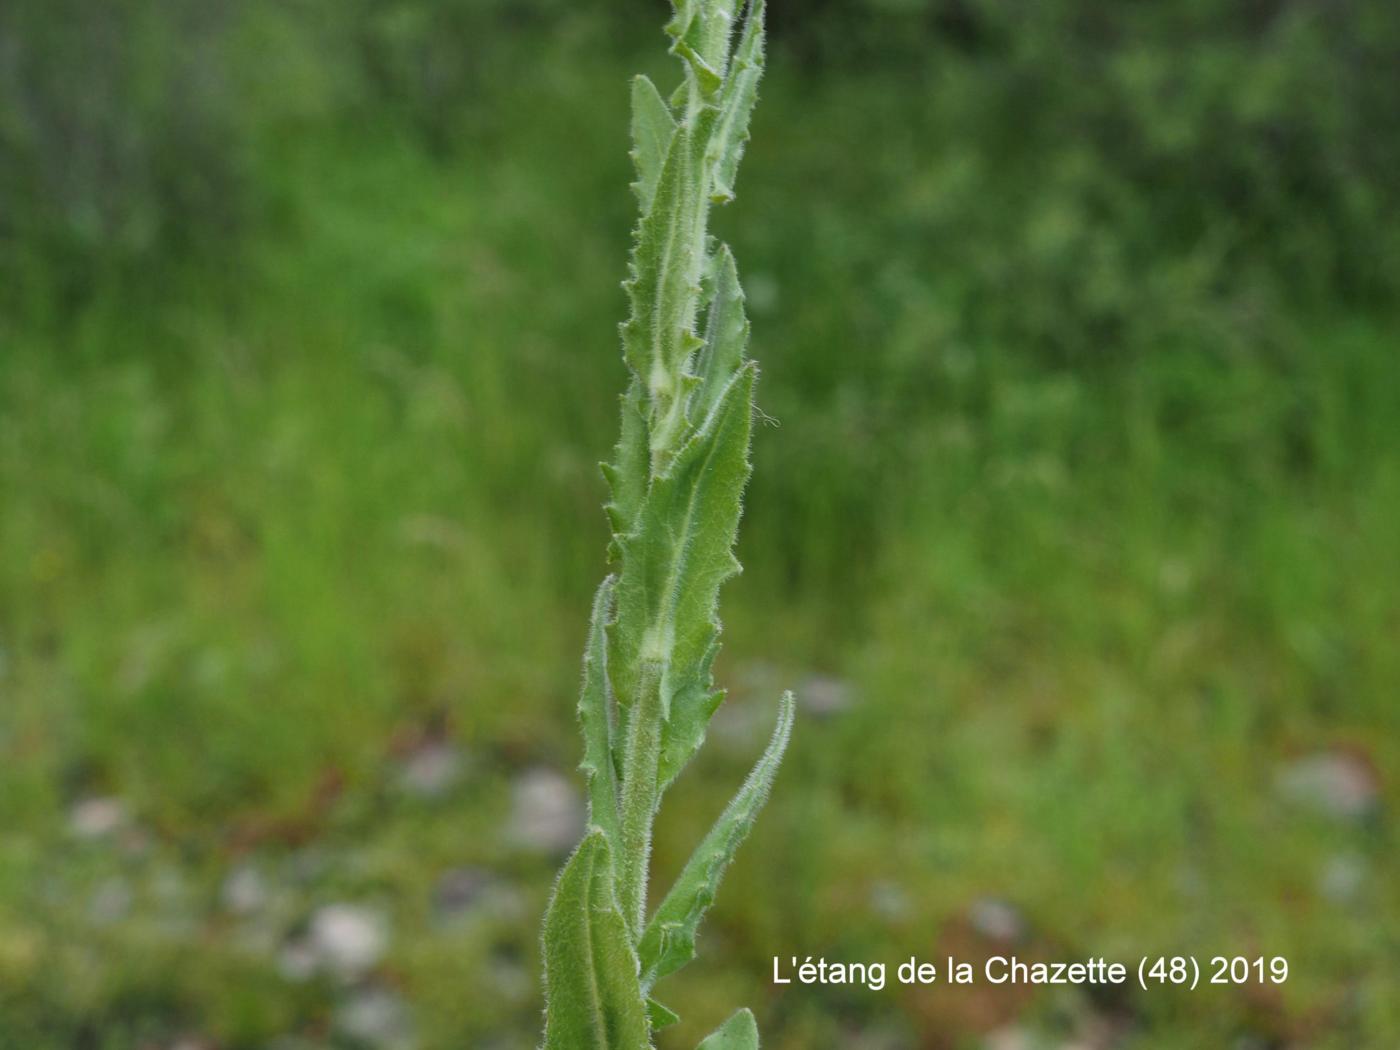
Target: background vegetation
<point x="1077" y="529"/>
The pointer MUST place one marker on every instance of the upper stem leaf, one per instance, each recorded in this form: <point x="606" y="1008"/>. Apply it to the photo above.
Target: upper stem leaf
<point x="681" y="551"/>
<point x="740" y="1032"/>
<point x="597" y="718"/>
<point x="653" y="127"/>
<point x="736" y="104"/>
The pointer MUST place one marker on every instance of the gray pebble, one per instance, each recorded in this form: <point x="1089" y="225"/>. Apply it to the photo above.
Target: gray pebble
<point x="547" y="812"/>
<point x="376" y="1017"/>
<point x="244" y="891"/>
<point x="997" y="919"/>
<point x="111" y="901"/>
<point x="98" y="817"/>
<point x="824" y="696"/>
<point x="459" y="890"/>
<point x="431" y="771"/>
<point x="1332" y="783"/>
<point x="348" y="939"/>
<point x="889" y="900"/>
<point x="1343" y="878"/>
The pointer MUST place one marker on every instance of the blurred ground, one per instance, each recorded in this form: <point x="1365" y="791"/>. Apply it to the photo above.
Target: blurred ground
<point x="1077" y="530"/>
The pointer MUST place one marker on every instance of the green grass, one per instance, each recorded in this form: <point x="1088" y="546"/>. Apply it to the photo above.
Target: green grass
<point x="1096" y="556"/>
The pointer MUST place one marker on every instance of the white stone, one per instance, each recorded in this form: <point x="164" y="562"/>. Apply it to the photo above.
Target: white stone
<point x="1333" y="783"/>
<point x="348" y="939"/>
<point x="546" y="812"/>
<point x="95" y="818"/>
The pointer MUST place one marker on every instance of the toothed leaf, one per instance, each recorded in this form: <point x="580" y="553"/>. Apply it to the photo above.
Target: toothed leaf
<point x="726" y="331"/>
<point x="682" y="550"/>
<point x="668" y="942"/>
<point x="736" y="103"/>
<point x="660" y="1015"/>
<point x="653" y="127"/>
<point x="628" y="473"/>
<point x="740" y="1032"/>
<point x="665" y="274"/>
<point x="596" y="717"/>
<point x="692" y="706"/>
<point x="709" y="78"/>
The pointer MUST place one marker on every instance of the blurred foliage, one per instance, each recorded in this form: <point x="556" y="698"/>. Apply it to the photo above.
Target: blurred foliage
<point x="1078" y="325"/>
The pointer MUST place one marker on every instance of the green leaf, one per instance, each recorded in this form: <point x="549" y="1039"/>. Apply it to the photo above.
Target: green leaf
<point x="706" y="76"/>
<point x="693" y="705"/>
<point x="682" y="551"/>
<point x="630" y="470"/>
<point x="596" y="717"/>
<point x="740" y="1032"/>
<point x="668" y="942"/>
<point x="664" y="282"/>
<point x="653" y="127"/>
<point x="660" y="1015"/>
<point x="726" y="332"/>
<point x="594" y="1001"/>
<point x="736" y="103"/>
<point x="685" y="11"/>
<point x="702" y="29"/>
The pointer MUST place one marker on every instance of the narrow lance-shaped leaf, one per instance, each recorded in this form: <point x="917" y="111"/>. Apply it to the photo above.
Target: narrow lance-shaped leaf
<point x="664" y="282"/>
<point x="668" y="942"/>
<point x="740" y="1032"/>
<point x="653" y="127"/>
<point x="736" y="104"/>
<point x="596" y="717"/>
<point x="630" y="471"/>
<point x="641" y="759"/>
<point x="681" y="551"/>
<point x="594" y="1001"/>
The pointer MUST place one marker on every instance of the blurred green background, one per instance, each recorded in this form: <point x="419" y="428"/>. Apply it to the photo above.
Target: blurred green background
<point x="1077" y="529"/>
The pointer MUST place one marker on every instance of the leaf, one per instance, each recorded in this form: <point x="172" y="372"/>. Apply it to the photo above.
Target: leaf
<point x="630" y="470"/>
<point x="665" y="276"/>
<point x="594" y="1000"/>
<point x="595" y="712"/>
<point x="740" y="1032"/>
<point x="693" y="705"/>
<point x="682" y="551"/>
<point x="680" y="22"/>
<point x="653" y="127"/>
<point x="726" y="332"/>
<point x="702" y="30"/>
<point x="660" y="1015"/>
<point x="668" y="942"/>
<point x="706" y="76"/>
<point x="731" y="131"/>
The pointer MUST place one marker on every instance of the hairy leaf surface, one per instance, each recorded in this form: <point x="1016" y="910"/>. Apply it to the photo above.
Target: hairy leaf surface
<point x="726" y="331"/>
<point x="676" y="480"/>
<point x="737" y="100"/>
<point x="682" y="550"/>
<point x="668" y="942"/>
<point x="653" y="127"/>
<point x="740" y="1032"/>
<point x="596" y="717"/>
<point x="594" y="1001"/>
